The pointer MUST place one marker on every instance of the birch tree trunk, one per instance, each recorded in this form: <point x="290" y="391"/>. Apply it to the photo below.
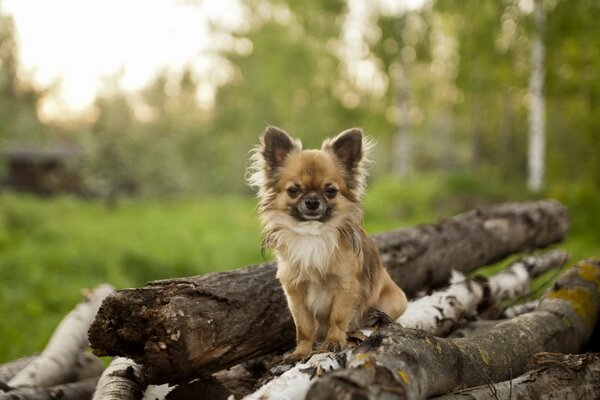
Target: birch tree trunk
<point x="537" y="134"/>
<point x="401" y="144"/>
<point x="399" y="363"/>
<point x="191" y="327"/>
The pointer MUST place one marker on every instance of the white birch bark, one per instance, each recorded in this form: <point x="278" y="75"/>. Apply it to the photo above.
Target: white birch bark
<point x="439" y="312"/>
<point x="121" y="380"/>
<point x="158" y="392"/>
<point x="537" y="135"/>
<point x="61" y="354"/>
<point x="401" y="144"/>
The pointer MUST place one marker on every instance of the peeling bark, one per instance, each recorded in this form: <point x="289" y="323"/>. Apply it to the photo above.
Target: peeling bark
<point x="563" y="376"/>
<point x="81" y="390"/>
<point x="191" y="327"/>
<point x="441" y="311"/>
<point x="121" y="380"/>
<point x="399" y="363"/>
<point x="62" y="353"/>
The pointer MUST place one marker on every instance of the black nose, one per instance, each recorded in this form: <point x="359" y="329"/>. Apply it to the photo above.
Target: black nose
<point x="311" y="204"/>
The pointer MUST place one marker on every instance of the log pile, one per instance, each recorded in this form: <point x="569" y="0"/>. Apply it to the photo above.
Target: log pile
<point x="223" y="334"/>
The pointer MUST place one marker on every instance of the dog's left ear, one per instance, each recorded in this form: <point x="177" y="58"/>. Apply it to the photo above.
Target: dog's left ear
<point x="347" y="147"/>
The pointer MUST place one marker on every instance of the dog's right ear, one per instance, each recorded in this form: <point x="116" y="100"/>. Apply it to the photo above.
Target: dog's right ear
<point x="277" y="146"/>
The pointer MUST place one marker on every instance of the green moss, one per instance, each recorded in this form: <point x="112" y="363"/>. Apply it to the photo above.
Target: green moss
<point x="484" y="356"/>
<point x="582" y="301"/>
<point x="589" y="270"/>
<point x="403" y="375"/>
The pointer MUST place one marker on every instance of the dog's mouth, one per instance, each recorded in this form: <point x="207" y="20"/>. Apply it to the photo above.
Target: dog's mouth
<point x="312" y="215"/>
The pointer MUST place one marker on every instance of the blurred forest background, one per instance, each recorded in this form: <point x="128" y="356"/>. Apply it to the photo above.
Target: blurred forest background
<point x="447" y="88"/>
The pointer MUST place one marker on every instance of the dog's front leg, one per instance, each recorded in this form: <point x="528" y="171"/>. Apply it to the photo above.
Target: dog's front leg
<point x="343" y="308"/>
<point x="304" y="321"/>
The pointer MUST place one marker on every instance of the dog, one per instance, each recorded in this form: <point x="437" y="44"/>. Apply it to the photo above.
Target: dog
<point x="310" y="205"/>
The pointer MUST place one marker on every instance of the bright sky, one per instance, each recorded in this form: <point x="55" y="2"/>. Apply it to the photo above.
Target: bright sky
<point x="78" y="43"/>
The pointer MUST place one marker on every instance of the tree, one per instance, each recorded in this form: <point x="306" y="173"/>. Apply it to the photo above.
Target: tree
<point x="537" y="134"/>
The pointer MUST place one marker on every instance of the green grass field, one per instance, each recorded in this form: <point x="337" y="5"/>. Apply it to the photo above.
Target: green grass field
<point x="52" y="248"/>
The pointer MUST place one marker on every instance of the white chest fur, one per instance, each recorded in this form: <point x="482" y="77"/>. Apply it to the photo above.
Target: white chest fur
<point x="318" y="300"/>
<point x="307" y="245"/>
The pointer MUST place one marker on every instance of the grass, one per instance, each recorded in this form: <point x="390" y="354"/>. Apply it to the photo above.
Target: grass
<point x="51" y="248"/>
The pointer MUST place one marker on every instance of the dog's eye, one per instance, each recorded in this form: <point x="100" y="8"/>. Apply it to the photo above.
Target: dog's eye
<point x="330" y="192"/>
<point x="293" y="191"/>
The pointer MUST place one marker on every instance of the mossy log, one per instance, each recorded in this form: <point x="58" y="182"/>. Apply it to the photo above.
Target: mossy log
<point x="191" y="327"/>
<point x="400" y="363"/>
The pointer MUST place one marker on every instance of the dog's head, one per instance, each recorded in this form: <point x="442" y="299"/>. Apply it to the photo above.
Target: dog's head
<point x="296" y="186"/>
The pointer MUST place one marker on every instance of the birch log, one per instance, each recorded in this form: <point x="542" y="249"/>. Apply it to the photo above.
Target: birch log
<point x="182" y="328"/>
<point x="86" y="366"/>
<point x="11" y="368"/>
<point x="61" y="354"/>
<point x="399" y="363"/>
<point x="81" y="390"/>
<point x="439" y="312"/>
<point x="563" y="376"/>
<point x="435" y="314"/>
<point x="121" y="380"/>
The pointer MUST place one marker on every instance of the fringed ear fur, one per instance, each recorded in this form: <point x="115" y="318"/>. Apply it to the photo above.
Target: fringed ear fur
<point x="268" y="157"/>
<point x="277" y="145"/>
<point x="351" y="148"/>
<point x="347" y="147"/>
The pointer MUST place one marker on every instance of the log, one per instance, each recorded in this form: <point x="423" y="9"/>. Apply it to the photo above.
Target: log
<point x="435" y="314"/>
<point x="443" y="310"/>
<point x="10" y="369"/>
<point x="191" y="327"/>
<point x="121" y="380"/>
<point x="81" y="390"/>
<point x="399" y="363"/>
<point x="55" y="365"/>
<point x="467" y="241"/>
<point x="563" y="376"/>
<point x="86" y="366"/>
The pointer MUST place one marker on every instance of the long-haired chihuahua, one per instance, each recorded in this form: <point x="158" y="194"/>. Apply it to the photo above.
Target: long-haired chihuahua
<point x="310" y="207"/>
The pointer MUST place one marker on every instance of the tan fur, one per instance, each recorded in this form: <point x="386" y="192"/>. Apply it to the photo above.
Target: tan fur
<point x="330" y="270"/>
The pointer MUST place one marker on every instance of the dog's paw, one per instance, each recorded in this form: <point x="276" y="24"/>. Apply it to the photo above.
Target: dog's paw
<point x="297" y="355"/>
<point x="332" y="346"/>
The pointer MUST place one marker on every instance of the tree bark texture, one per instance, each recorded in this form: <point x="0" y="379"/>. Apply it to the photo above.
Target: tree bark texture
<point x="190" y="327"/>
<point x="563" y="376"/>
<point x="121" y="380"/>
<point x="441" y="311"/>
<point x="81" y="390"/>
<point x="11" y="368"/>
<point x="424" y="256"/>
<point x="399" y="363"/>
